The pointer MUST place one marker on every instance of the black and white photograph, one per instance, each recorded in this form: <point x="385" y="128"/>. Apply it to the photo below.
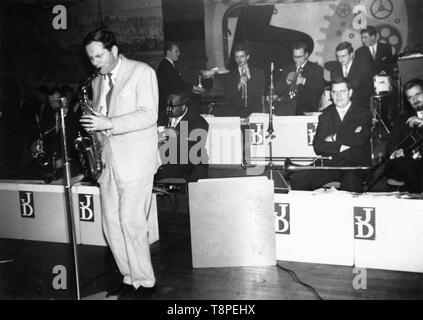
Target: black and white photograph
<point x="211" y="156"/>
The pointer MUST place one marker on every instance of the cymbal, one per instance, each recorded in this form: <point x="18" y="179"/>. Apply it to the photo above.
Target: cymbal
<point x="381" y="94"/>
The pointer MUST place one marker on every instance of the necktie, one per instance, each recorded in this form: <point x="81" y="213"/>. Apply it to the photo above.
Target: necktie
<point x="373" y="52"/>
<point x="345" y="71"/>
<point x="109" y="93"/>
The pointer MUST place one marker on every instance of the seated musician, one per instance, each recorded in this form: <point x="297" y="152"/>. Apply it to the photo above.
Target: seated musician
<point x="406" y="165"/>
<point x="301" y="85"/>
<point x="243" y="87"/>
<point x="183" y="153"/>
<point x="343" y="133"/>
<point x="47" y="152"/>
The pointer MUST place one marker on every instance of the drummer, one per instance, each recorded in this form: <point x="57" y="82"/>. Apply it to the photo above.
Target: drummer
<point x="378" y="54"/>
<point x="380" y="57"/>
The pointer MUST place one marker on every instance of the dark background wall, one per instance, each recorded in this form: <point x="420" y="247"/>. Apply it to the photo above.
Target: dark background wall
<point x="32" y="52"/>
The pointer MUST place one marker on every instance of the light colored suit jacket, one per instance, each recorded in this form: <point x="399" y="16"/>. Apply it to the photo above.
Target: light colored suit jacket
<point x="131" y="146"/>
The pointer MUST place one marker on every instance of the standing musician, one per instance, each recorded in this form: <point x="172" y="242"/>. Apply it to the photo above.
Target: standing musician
<point x="377" y="53"/>
<point x="405" y="165"/>
<point x="379" y="56"/>
<point x="359" y="74"/>
<point x="343" y="133"/>
<point x="244" y="86"/>
<point x="168" y="76"/>
<point x="125" y="105"/>
<point x="302" y="83"/>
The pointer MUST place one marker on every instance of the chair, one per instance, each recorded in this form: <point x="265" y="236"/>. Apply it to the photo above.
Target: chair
<point x="173" y="186"/>
<point x="395" y="183"/>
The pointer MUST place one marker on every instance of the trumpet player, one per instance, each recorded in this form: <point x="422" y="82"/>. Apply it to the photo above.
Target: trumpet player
<point x="301" y="85"/>
<point x="244" y="86"/>
<point x="343" y="133"/>
<point x="407" y="165"/>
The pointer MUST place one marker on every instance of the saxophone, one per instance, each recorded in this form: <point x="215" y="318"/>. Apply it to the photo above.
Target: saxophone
<point x="87" y="145"/>
<point x="292" y="81"/>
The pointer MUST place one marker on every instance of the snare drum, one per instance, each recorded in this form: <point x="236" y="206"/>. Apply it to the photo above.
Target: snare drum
<point x="382" y="84"/>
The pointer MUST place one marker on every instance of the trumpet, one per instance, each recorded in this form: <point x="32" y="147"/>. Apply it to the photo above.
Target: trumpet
<point x="291" y="79"/>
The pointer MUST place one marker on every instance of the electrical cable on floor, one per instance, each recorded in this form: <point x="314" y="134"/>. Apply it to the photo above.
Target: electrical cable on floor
<point x="294" y="276"/>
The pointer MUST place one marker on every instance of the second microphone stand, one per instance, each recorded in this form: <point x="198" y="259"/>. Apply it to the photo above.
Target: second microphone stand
<point x="271" y="136"/>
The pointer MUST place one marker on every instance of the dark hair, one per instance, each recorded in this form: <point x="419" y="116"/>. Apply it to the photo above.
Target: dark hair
<point x="168" y="46"/>
<point x="370" y="30"/>
<point x="65" y="88"/>
<point x="184" y="96"/>
<point x="412" y="83"/>
<point x="338" y="80"/>
<point x="241" y="47"/>
<point x="54" y="90"/>
<point x="43" y="89"/>
<point x="343" y="46"/>
<point x="301" y="45"/>
<point x="106" y="37"/>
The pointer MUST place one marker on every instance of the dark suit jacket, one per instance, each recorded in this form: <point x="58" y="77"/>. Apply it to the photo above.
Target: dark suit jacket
<point x="255" y="91"/>
<point x="308" y="95"/>
<point x="359" y="142"/>
<point x="400" y="130"/>
<point x="191" y="171"/>
<point x="383" y="61"/>
<point x="169" y="79"/>
<point x="361" y="78"/>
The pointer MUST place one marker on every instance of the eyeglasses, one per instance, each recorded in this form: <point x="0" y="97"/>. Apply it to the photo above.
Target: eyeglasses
<point x="339" y="92"/>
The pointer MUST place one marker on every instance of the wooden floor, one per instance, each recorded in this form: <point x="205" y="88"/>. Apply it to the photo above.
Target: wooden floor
<point x="30" y="274"/>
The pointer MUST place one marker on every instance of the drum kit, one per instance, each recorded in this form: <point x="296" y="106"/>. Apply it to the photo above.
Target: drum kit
<point x="382" y="88"/>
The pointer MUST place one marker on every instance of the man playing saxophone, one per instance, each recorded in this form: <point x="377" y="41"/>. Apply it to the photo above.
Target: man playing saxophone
<point x="125" y="107"/>
<point x="301" y="85"/>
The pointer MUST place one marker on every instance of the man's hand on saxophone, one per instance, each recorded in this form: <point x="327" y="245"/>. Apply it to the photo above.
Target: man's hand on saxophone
<point x="96" y="122"/>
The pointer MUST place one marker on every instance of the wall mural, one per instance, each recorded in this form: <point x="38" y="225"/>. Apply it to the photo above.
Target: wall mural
<point x="328" y="22"/>
<point x="40" y="53"/>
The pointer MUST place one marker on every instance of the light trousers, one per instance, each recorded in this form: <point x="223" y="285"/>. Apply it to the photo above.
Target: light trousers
<point x="125" y="206"/>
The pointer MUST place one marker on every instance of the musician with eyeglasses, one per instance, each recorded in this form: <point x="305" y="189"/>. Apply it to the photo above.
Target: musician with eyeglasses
<point x="301" y="85"/>
<point x="406" y="163"/>
<point x="243" y="87"/>
<point x="343" y="133"/>
<point x="184" y="133"/>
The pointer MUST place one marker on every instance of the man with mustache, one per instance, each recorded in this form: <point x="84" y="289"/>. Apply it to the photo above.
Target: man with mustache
<point x="405" y="165"/>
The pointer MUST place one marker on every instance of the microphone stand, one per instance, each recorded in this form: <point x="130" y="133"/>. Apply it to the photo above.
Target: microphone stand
<point x="68" y="198"/>
<point x="271" y="133"/>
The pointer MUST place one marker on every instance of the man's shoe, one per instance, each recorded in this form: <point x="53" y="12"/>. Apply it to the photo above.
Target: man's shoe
<point x="144" y="293"/>
<point x="124" y="289"/>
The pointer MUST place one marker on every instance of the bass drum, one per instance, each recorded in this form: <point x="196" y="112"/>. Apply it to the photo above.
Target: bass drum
<point x="382" y="84"/>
